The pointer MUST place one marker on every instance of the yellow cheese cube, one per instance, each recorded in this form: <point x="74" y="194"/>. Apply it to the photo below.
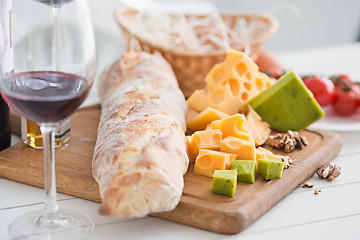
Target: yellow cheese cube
<point x="233" y="126"/>
<point x="243" y="149"/>
<point x="193" y="149"/>
<point x="208" y="161"/>
<point x="204" y="118"/>
<point x="259" y="129"/>
<point x="208" y="139"/>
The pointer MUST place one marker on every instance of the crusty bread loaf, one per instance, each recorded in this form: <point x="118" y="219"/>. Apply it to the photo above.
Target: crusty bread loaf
<point x="140" y="154"/>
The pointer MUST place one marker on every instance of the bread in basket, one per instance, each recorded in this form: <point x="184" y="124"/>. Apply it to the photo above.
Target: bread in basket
<point x="193" y="44"/>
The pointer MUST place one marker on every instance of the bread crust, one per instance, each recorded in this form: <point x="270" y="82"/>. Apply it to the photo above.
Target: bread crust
<point x="140" y="154"/>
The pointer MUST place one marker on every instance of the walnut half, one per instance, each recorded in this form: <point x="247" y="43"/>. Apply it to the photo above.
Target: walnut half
<point x="329" y="171"/>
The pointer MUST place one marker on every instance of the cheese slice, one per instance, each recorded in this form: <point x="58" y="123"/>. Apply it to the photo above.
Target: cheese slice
<point x="201" y="120"/>
<point x="262" y="153"/>
<point x="230" y="85"/>
<point x="208" y="161"/>
<point x="243" y="149"/>
<point x="259" y="129"/>
<point x="233" y="126"/>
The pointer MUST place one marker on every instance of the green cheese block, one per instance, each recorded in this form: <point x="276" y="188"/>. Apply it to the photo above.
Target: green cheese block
<point x="287" y="105"/>
<point x="224" y="182"/>
<point x="246" y="170"/>
<point x="270" y="169"/>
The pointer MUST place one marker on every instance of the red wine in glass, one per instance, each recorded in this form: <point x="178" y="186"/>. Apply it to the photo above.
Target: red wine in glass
<point x="44" y="96"/>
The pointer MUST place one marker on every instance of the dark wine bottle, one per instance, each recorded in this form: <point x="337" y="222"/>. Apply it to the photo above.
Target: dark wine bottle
<point x="5" y="131"/>
<point x="6" y="67"/>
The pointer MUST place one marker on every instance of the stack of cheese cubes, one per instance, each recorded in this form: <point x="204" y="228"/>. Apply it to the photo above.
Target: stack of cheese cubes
<point x="220" y="139"/>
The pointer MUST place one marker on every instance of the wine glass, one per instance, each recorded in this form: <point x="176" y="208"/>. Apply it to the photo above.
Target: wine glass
<point x="54" y="67"/>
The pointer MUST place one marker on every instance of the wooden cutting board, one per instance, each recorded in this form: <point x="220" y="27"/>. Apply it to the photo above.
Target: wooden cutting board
<point x="198" y="207"/>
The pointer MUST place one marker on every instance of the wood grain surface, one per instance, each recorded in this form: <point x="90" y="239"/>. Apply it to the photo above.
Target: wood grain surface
<point x="198" y="207"/>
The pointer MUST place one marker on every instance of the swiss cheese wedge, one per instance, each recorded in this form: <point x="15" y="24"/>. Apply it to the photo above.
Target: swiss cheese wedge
<point x="230" y="84"/>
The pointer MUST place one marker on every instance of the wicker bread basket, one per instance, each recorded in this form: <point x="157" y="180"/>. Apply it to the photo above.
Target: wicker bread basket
<point x="190" y="67"/>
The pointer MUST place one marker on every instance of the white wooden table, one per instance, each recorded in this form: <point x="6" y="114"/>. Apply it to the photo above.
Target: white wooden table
<point x="333" y="214"/>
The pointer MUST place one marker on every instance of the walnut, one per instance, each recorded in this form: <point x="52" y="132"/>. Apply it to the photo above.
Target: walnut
<point x="302" y="141"/>
<point x="329" y="171"/>
<point x="317" y="191"/>
<point x="290" y="144"/>
<point x="307" y="185"/>
<point x="275" y="141"/>
<point x="289" y="141"/>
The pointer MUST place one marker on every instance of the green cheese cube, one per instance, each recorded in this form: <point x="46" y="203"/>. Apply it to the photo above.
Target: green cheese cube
<point x="246" y="170"/>
<point x="287" y="105"/>
<point x="224" y="182"/>
<point x="270" y="169"/>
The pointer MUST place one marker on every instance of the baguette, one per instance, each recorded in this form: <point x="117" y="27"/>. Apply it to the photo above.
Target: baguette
<point x="140" y="154"/>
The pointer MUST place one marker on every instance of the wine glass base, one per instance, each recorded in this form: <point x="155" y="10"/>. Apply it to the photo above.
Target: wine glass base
<point x="68" y="225"/>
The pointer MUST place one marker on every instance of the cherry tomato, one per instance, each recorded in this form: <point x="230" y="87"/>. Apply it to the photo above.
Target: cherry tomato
<point x="347" y="99"/>
<point x="340" y="78"/>
<point x="322" y="88"/>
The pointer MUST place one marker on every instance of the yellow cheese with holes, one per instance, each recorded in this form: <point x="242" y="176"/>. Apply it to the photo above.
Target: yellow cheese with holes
<point x="225" y="101"/>
<point x="208" y="161"/>
<point x="259" y="129"/>
<point x="244" y="150"/>
<point x="230" y="85"/>
<point x="233" y="126"/>
<point x="262" y="153"/>
<point x="200" y="121"/>
<point x="209" y="139"/>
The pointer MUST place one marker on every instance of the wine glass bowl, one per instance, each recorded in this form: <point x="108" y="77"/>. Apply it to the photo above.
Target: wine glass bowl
<point x="45" y="96"/>
<point x="54" y="67"/>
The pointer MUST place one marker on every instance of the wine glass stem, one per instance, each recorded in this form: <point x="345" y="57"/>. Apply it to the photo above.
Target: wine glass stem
<point x="51" y="207"/>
